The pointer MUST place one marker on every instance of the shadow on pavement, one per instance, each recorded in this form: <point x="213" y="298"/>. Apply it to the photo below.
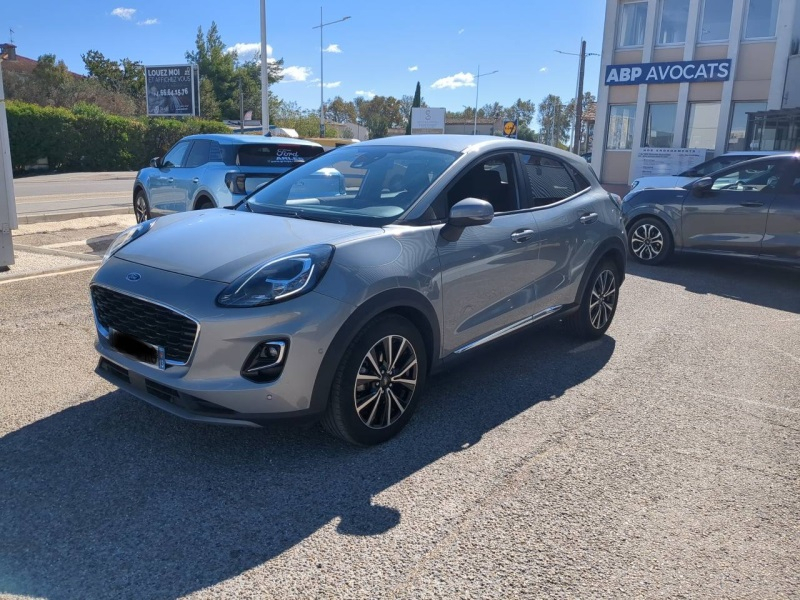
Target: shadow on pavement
<point x="764" y="285"/>
<point x="113" y="498"/>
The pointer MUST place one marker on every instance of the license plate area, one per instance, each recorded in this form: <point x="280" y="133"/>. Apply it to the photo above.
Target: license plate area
<point x="137" y="349"/>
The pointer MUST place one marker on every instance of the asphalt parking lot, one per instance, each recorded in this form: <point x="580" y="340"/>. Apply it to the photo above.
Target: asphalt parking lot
<point x="659" y="461"/>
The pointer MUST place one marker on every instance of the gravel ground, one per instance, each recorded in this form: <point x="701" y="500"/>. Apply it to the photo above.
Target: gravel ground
<point x="659" y="461"/>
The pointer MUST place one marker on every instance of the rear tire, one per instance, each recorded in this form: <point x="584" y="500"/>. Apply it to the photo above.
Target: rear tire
<point x="378" y="383"/>
<point x="141" y="207"/>
<point x="204" y="203"/>
<point x="650" y="241"/>
<point x="598" y="304"/>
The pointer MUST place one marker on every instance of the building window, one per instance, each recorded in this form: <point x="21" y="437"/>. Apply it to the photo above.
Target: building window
<point x="738" y="129"/>
<point x="672" y="26"/>
<point x="621" y="125"/>
<point x="660" y="127"/>
<point x="762" y="17"/>
<point x="632" y="20"/>
<point x="716" y="23"/>
<point x="703" y="123"/>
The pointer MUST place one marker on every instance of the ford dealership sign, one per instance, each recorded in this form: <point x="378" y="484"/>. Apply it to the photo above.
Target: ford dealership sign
<point x="688" y="71"/>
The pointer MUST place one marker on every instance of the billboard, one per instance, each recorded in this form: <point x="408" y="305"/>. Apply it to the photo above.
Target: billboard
<point x="427" y="120"/>
<point x="172" y="90"/>
<point x="684" y="71"/>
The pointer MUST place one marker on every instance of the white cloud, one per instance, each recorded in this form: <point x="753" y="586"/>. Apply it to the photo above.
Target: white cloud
<point x="366" y="95"/>
<point x="543" y="70"/>
<point x="331" y="85"/>
<point x="148" y="22"/>
<point x="124" y="13"/>
<point x="414" y="68"/>
<point x="247" y="51"/>
<point x="460" y="31"/>
<point x="295" y="74"/>
<point x="334" y="49"/>
<point x="454" y="81"/>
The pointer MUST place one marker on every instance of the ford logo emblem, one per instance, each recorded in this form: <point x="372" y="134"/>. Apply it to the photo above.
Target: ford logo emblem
<point x="133" y="277"/>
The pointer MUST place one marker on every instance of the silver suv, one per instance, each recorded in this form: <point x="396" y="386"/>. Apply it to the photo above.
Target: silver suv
<point x="214" y="170"/>
<point x="309" y="301"/>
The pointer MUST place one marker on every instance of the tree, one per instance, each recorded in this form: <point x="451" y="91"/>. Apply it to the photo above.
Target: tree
<point x="379" y="114"/>
<point x="122" y="77"/>
<point x="415" y="103"/>
<point x="588" y="101"/>
<point x="554" y="118"/>
<point x="340" y="110"/>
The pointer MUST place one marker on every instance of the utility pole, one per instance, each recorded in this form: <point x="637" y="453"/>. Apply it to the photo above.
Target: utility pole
<point x="8" y="209"/>
<point x="579" y="100"/>
<point x="264" y="71"/>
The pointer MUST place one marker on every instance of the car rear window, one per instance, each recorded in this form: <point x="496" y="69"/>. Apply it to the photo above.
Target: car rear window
<point x="273" y="155"/>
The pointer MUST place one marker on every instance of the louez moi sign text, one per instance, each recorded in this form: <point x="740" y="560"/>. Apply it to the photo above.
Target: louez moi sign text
<point x="688" y="71"/>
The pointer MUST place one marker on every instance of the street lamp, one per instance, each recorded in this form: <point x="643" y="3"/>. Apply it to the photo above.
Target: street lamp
<point x="321" y="26"/>
<point x="477" y="88"/>
<point x="579" y="99"/>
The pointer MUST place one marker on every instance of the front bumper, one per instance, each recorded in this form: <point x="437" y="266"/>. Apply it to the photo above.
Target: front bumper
<point x="209" y="386"/>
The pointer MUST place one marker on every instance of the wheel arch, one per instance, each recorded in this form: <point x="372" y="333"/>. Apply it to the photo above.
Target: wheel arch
<point x="613" y="249"/>
<point x="203" y="195"/>
<point x="407" y="303"/>
<point x="670" y="224"/>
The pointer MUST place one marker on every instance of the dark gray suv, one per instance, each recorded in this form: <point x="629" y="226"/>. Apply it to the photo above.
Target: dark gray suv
<point x="312" y="302"/>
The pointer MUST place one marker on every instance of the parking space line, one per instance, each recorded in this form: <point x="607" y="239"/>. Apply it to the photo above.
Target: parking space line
<point x="52" y="274"/>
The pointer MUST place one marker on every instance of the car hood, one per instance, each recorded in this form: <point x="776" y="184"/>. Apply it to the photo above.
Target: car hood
<point x="662" y="181"/>
<point x="219" y="244"/>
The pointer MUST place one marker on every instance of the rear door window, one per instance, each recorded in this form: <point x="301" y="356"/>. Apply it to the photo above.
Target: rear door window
<point x="550" y="180"/>
<point x="275" y="155"/>
<point x="198" y="155"/>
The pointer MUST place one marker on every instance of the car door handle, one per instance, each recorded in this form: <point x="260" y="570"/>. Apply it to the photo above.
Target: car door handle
<point x="588" y="218"/>
<point x="522" y="235"/>
<point x="196" y="180"/>
<point x="751" y="204"/>
<point x="170" y="179"/>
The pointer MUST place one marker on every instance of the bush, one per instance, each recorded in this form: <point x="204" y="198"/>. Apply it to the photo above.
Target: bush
<point x="88" y="139"/>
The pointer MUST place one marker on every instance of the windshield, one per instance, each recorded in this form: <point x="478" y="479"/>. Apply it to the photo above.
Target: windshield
<point x="358" y="185"/>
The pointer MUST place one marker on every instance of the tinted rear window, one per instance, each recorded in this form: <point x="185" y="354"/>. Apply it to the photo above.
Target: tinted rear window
<point x="270" y="155"/>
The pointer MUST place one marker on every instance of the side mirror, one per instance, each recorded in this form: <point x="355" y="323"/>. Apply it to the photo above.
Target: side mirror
<point x="156" y="162"/>
<point x="702" y="185"/>
<point x="467" y="213"/>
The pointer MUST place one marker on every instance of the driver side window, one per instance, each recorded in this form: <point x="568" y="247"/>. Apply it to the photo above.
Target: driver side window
<point x="761" y="176"/>
<point x="174" y="157"/>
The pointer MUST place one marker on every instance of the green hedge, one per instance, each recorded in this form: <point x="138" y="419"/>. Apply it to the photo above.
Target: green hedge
<point x="88" y="139"/>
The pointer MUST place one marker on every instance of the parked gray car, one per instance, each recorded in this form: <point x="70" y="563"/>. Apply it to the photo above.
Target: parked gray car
<point x="339" y="306"/>
<point x="751" y="210"/>
<point x="214" y="170"/>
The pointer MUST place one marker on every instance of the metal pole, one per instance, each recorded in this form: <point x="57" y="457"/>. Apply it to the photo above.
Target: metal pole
<point x="321" y="81"/>
<point x="477" y="87"/>
<point x="241" y="107"/>
<point x="579" y="100"/>
<point x="8" y="209"/>
<point x="264" y="71"/>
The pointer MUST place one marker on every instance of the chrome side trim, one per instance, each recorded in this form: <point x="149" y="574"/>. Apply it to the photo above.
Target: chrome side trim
<point x="105" y="333"/>
<point x="508" y="329"/>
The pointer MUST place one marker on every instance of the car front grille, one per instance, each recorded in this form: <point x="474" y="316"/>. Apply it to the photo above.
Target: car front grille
<point x="145" y="321"/>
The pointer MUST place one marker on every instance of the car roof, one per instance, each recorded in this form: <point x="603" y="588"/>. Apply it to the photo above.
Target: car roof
<point x="237" y="138"/>
<point x="471" y="143"/>
<point x="753" y="152"/>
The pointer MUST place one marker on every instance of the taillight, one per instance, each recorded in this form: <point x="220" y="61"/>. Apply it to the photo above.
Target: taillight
<point x="235" y="182"/>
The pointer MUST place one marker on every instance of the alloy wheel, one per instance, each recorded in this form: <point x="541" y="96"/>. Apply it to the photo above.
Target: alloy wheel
<point x="386" y="382"/>
<point x="603" y="299"/>
<point x="140" y="208"/>
<point x="647" y="241"/>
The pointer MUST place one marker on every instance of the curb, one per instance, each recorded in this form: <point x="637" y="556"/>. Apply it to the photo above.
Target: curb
<point x="54" y="252"/>
<point x="52" y="217"/>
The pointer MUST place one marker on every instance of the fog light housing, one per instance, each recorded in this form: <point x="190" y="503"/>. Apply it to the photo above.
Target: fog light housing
<point x="265" y="362"/>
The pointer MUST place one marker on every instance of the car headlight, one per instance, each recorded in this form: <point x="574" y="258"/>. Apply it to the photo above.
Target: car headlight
<point x="127" y="236"/>
<point x="280" y="279"/>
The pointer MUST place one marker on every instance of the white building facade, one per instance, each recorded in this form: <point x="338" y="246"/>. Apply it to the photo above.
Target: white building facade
<point x="686" y="73"/>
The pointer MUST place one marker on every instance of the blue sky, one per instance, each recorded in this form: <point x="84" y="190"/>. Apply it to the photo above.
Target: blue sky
<point x="384" y="48"/>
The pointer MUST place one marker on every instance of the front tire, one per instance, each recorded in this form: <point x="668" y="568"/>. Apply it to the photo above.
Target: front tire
<point x="599" y="302"/>
<point x="141" y="207"/>
<point x="204" y="203"/>
<point x="650" y="241"/>
<point x="378" y="382"/>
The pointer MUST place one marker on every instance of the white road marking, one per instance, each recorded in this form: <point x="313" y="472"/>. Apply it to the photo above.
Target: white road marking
<point x="40" y="275"/>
